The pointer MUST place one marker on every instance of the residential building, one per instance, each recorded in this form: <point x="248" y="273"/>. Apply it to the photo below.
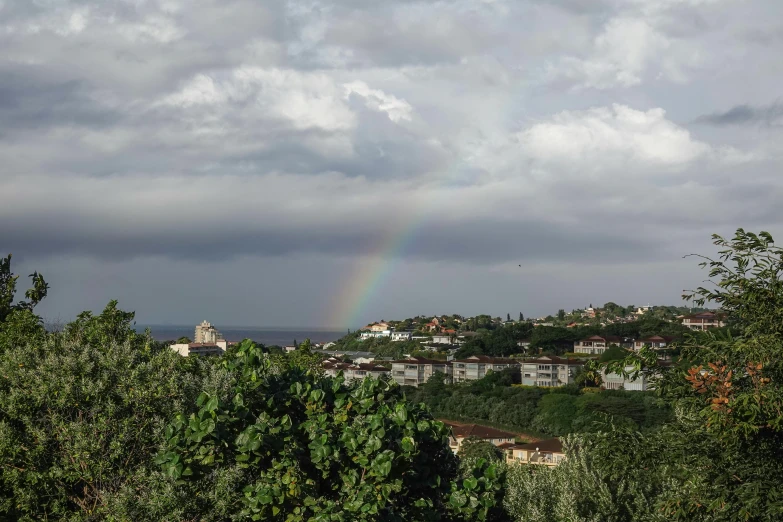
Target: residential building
<point x="206" y="333"/>
<point x="460" y="432"/>
<point x="547" y="452"/>
<point x="477" y="366"/>
<point x="596" y="345"/>
<point x="332" y="367"/>
<point x="414" y="371"/>
<point x="589" y="313"/>
<point x="524" y="344"/>
<point x="442" y="339"/>
<point x="704" y="320"/>
<point x="190" y="349"/>
<point x="657" y="342"/>
<point x="401" y="336"/>
<point x="289" y="348"/>
<point x="614" y="381"/>
<point x="368" y="334"/>
<point x="379" y="327"/>
<point x="549" y="371"/>
<point x="355" y="357"/>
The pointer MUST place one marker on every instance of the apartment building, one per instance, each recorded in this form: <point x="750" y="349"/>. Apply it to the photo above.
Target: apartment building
<point x="549" y="371"/>
<point x="414" y="371"/>
<point x="596" y="345"/>
<point x="332" y="367"/>
<point x="206" y="333"/>
<point x="657" y="342"/>
<point x="547" y="452"/>
<point x="704" y="320"/>
<point x="477" y="366"/>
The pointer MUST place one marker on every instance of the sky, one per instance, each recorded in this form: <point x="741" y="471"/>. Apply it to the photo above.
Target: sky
<point x="330" y="163"/>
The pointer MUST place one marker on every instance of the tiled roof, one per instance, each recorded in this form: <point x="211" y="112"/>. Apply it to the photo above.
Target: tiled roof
<point x="656" y="339"/>
<point x="419" y="360"/>
<point x="487" y="359"/>
<point x="606" y="338"/>
<point x="545" y="446"/>
<point x="482" y="432"/>
<point x="555" y="360"/>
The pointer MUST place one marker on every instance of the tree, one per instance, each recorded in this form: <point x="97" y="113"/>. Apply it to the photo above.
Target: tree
<point x="521" y="317"/>
<point x="8" y="280"/>
<point x="80" y="421"/>
<point x="613" y="353"/>
<point x="184" y="340"/>
<point x="561" y="314"/>
<point x="724" y="448"/>
<point x="508" y="317"/>
<point x="320" y="450"/>
<point x="474" y="448"/>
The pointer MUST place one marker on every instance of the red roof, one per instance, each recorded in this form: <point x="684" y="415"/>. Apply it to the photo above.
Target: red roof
<point x="544" y="446"/>
<point x="487" y="359"/>
<point x="420" y="360"/>
<point x="475" y="430"/>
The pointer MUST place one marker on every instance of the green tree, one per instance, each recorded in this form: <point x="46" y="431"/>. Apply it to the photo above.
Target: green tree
<point x="80" y="422"/>
<point x="300" y="447"/>
<point x="474" y="448"/>
<point x="184" y="340"/>
<point x="8" y="280"/>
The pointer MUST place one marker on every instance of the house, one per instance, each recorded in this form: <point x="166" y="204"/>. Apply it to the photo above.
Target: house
<point x="704" y="320"/>
<point x="524" y="343"/>
<point x="642" y="310"/>
<point x="477" y="366"/>
<point x="589" y="313"/>
<point x="596" y="345"/>
<point x="549" y="371"/>
<point x="414" y="371"/>
<point x="547" y="452"/>
<point x="190" y="349"/>
<point x="656" y="342"/>
<point x="432" y="326"/>
<point x="289" y="349"/>
<point x="401" y="336"/>
<point x="460" y="432"/>
<point x="441" y="339"/>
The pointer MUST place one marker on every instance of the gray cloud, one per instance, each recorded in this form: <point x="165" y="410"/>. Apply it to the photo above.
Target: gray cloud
<point x="771" y="114"/>
<point x="323" y="133"/>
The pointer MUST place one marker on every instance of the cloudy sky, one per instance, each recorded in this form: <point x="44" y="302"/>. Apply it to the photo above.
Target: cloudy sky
<point x="327" y="163"/>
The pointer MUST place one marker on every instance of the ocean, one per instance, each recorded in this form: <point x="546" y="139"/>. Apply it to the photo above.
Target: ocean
<point x="265" y="336"/>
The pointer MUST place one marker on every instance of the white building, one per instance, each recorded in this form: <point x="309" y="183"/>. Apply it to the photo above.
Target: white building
<point x="401" y="336"/>
<point x="414" y="371"/>
<point x="206" y="333"/>
<point x="372" y="334"/>
<point x="549" y="371"/>
<point x="189" y="349"/>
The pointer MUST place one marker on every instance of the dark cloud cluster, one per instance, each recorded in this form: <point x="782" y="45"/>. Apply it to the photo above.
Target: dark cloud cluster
<point x="479" y="133"/>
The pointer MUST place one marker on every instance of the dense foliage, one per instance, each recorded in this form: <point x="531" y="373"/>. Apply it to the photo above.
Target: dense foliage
<point x="555" y="412"/>
<point x="299" y="447"/>
<point x="98" y="422"/>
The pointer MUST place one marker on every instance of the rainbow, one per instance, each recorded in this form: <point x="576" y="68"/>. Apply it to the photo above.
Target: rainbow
<point x="371" y="272"/>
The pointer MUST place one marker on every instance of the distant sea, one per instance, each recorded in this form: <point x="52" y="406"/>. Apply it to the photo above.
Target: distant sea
<point x="265" y="336"/>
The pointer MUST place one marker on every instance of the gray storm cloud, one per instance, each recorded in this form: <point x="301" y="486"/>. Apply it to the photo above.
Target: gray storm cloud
<point x="488" y="133"/>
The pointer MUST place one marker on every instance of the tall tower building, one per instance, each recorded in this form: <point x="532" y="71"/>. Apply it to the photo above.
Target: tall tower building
<point x="206" y="333"/>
